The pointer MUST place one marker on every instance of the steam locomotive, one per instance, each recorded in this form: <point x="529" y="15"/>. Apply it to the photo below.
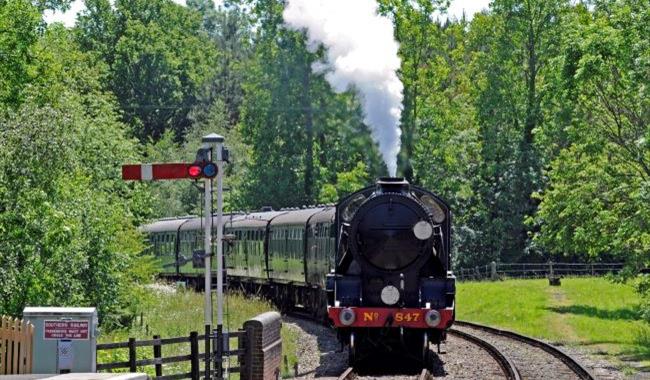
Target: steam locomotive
<point x="376" y="265"/>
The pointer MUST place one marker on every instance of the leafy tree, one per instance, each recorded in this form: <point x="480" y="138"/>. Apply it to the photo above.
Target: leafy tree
<point x="346" y="183"/>
<point x="159" y="59"/>
<point x="513" y="45"/>
<point x="230" y="30"/>
<point x="18" y="24"/>
<point x="596" y="205"/>
<point x="67" y="220"/>
<point x="299" y="132"/>
<point x="418" y="34"/>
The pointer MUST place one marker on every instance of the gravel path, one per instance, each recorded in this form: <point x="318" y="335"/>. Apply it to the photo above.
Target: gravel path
<point x="319" y="353"/>
<point x="600" y="367"/>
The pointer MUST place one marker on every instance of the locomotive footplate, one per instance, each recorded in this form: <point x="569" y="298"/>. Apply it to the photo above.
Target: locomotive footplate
<point x="419" y="318"/>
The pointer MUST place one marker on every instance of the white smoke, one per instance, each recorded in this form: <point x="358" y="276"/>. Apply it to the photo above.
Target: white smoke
<point x="361" y="54"/>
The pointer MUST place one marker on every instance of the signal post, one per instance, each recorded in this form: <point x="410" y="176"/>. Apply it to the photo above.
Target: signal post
<point x="205" y="168"/>
<point x="214" y="143"/>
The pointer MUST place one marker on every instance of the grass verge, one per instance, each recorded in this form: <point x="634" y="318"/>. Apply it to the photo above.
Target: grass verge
<point x="171" y="312"/>
<point x="591" y="312"/>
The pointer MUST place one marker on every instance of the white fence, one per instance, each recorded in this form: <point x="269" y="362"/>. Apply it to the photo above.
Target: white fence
<point x="495" y="271"/>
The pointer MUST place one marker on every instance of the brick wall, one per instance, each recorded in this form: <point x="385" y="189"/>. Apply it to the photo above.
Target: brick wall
<point x="263" y="348"/>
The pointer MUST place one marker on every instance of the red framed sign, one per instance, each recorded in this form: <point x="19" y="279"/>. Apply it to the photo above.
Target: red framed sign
<point x="66" y="329"/>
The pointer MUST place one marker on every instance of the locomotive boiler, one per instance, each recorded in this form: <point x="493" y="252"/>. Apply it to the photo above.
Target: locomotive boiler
<point x="391" y="284"/>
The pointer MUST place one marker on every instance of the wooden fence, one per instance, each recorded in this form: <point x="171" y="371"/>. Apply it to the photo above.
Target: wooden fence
<point x="494" y="270"/>
<point x="15" y="346"/>
<point x="198" y="362"/>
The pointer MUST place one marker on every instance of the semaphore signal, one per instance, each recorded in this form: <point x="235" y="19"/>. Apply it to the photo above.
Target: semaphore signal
<point x="207" y="165"/>
<point x="155" y="172"/>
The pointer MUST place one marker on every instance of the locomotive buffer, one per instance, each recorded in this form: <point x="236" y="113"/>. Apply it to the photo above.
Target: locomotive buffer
<point x="207" y="165"/>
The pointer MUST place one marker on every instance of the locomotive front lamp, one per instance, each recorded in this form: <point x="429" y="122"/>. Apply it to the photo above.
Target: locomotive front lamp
<point x="347" y="317"/>
<point x="423" y="230"/>
<point x="389" y="295"/>
<point x="437" y="213"/>
<point x="432" y="317"/>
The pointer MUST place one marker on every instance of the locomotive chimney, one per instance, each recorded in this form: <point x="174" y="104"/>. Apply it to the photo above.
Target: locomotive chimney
<point x="392" y="185"/>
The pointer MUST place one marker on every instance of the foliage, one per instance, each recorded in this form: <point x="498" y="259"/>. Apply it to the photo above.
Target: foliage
<point x="531" y="120"/>
<point x="18" y="22"/>
<point x="158" y="56"/>
<point x="346" y="183"/>
<point x="597" y="204"/>
<point x="300" y="133"/>
<point x="67" y="232"/>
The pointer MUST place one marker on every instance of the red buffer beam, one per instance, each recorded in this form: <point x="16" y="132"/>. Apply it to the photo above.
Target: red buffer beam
<point x="155" y="172"/>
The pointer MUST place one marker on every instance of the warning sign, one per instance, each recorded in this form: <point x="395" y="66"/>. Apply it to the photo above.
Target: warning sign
<point x="73" y="330"/>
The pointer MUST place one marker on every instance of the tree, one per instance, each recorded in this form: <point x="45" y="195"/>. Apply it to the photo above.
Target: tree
<point x="418" y="35"/>
<point x="300" y="133"/>
<point x="230" y="30"/>
<point x="67" y="220"/>
<point x="159" y="59"/>
<point x="18" y="23"/>
<point x="346" y="184"/>
<point x="596" y="206"/>
<point x="513" y="44"/>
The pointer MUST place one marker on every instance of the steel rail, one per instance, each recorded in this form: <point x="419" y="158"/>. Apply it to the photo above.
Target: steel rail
<point x="508" y="367"/>
<point x="425" y="375"/>
<point x="348" y="374"/>
<point x="567" y="359"/>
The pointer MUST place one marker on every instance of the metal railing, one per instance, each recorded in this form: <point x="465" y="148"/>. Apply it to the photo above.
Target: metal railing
<point x="494" y="271"/>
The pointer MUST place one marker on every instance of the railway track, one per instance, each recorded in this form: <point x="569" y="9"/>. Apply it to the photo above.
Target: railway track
<point x="496" y="354"/>
<point x="509" y="369"/>
<point x="533" y="358"/>
<point x="350" y="373"/>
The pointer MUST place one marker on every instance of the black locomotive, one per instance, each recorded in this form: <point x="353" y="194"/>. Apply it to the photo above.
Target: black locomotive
<point x="391" y="284"/>
<point x="376" y="264"/>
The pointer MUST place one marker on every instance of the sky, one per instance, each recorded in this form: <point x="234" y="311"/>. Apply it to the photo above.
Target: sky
<point x="455" y="10"/>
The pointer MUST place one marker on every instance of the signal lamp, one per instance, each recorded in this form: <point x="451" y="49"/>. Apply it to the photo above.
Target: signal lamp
<point x="210" y="170"/>
<point x="195" y="171"/>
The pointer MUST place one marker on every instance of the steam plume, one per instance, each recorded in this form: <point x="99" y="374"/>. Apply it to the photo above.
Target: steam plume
<point x="361" y="54"/>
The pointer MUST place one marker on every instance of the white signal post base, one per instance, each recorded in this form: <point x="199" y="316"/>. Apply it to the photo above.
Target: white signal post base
<point x="215" y="142"/>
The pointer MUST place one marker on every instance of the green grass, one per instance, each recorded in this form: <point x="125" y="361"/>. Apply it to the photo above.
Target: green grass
<point x="591" y="312"/>
<point x="176" y="314"/>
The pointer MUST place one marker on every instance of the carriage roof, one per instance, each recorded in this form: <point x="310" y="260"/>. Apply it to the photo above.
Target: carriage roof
<point x="296" y="217"/>
<point x="164" y="225"/>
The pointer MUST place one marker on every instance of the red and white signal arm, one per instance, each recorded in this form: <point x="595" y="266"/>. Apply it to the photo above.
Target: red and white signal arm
<point x="155" y="172"/>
